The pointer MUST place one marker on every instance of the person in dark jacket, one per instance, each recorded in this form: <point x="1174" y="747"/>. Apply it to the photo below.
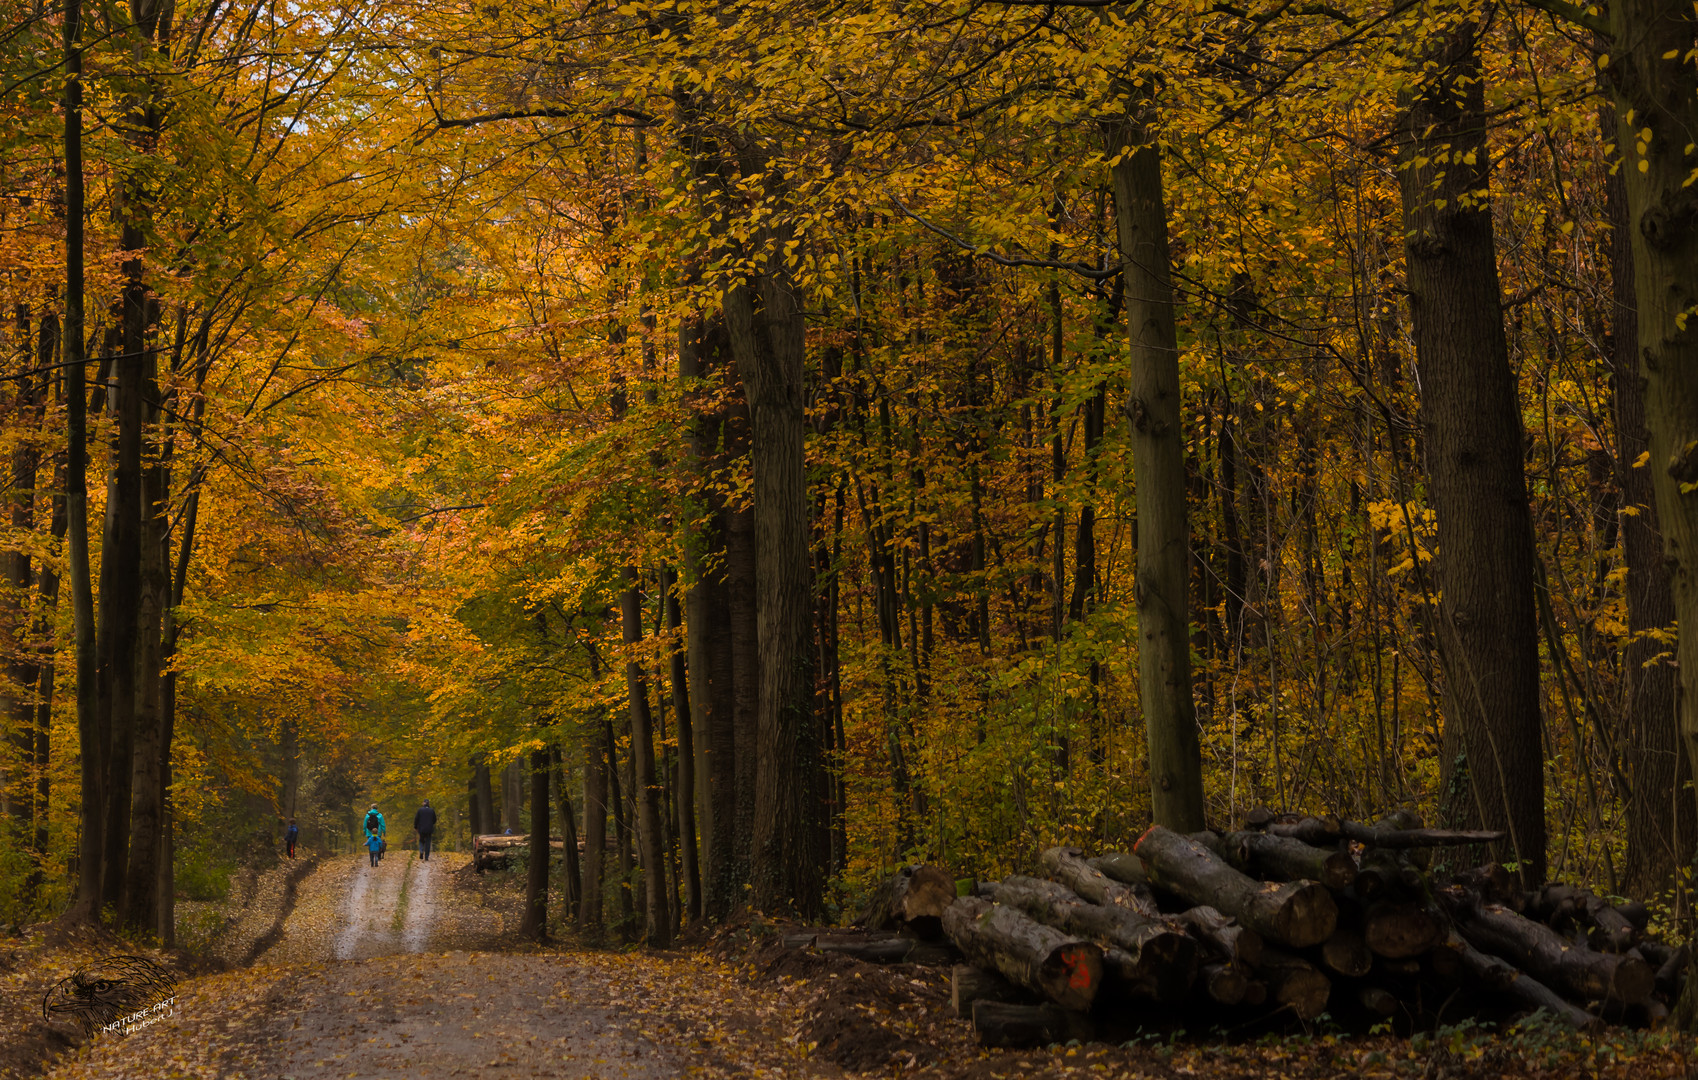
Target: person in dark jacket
<point x="291" y="835"/>
<point x="424" y="823"/>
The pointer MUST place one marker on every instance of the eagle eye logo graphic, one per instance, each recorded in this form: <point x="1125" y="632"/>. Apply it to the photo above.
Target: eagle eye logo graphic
<point x="116" y="993"/>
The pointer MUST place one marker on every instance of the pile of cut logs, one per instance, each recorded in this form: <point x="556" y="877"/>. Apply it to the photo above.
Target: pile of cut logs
<point x="1291" y="917"/>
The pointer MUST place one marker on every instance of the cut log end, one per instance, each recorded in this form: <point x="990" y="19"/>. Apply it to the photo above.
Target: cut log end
<point x="1306" y="915"/>
<point x="1072" y="974"/>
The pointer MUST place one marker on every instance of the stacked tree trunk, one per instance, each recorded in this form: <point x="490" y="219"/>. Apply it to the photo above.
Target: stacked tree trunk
<point x="490" y="850"/>
<point x="1293" y="918"/>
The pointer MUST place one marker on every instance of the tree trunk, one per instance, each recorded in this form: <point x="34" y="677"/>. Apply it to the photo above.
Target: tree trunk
<point x="147" y="778"/>
<point x="1489" y="640"/>
<point x="767" y="339"/>
<point x="483" y="797"/>
<point x="1285" y="859"/>
<point x="616" y="788"/>
<point x="968" y="984"/>
<point x="513" y="796"/>
<point x="1552" y="959"/>
<point x="1012" y="1026"/>
<point x="1651" y="68"/>
<point x="534" y="924"/>
<point x="716" y="780"/>
<point x="1160" y="962"/>
<point x="46" y="621"/>
<point x="1294" y="983"/>
<point x="1660" y="817"/>
<point x="1297" y="914"/>
<point x="1066" y="970"/>
<point x="20" y="788"/>
<point x="657" y="908"/>
<point x="744" y="644"/>
<point x="569" y="834"/>
<point x="1162" y="585"/>
<point x="168" y="710"/>
<point x="595" y="831"/>
<point x="91" y="730"/>
<point x="685" y="796"/>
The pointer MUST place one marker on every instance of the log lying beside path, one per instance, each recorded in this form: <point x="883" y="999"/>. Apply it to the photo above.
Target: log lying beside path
<point x="1279" y="922"/>
<point x="1296" y="913"/>
<point x="914" y="898"/>
<point x="1067" y="970"/>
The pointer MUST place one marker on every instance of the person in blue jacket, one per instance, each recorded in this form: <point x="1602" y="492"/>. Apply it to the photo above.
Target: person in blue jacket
<point x="424" y="823"/>
<point x="374" y="845"/>
<point x="291" y="836"/>
<point x="376" y="829"/>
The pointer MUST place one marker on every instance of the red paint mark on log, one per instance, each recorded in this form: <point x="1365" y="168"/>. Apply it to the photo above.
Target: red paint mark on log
<point x="1078" y="975"/>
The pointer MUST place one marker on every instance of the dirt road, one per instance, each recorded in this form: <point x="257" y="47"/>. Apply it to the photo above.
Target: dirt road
<point x="365" y="983"/>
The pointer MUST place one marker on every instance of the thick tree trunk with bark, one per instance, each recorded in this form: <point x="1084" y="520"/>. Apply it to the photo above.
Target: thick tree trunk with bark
<point x="147" y="777"/>
<point x="657" y="908"/>
<point x="1157" y="960"/>
<point x="534" y="923"/>
<point x="1661" y="823"/>
<point x="1010" y="1025"/>
<point x="595" y="831"/>
<point x="1655" y="83"/>
<point x="1285" y="859"/>
<point x="968" y="984"/>
<point x="513" y="796"/>
<point x="91" y="729"/>
<point x="1162" y="586"/>
<point x="764" y="321"/>
<point x="1552" y="959"/>
<point x="685" y="796"/>
<point x="744" y="643"/>
<point x="1044" y="960"/>
<point x="483" y="797"/>
<point x="1297" y="913"/>
<point x="568" y="833"/>
<point x="1489" y="640"/>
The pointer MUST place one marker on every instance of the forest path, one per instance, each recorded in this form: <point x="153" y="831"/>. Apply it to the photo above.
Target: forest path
<point x="380" y="916"/>
<point x="365" y="982"/>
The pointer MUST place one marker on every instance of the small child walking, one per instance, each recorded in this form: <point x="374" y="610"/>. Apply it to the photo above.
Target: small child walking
<point x="374" y="844"/>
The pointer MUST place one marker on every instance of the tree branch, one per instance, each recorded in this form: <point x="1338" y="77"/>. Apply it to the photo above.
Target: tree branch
<point x="1084" y="270"/>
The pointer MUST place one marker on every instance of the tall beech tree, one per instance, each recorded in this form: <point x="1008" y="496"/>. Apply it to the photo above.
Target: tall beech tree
<point x="1473" y="440"/>
<point x="1158" y="455"/>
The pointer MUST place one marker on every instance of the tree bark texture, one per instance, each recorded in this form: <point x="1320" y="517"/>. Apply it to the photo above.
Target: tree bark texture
<point x="1044" y="960"/>
<point x="1162" y="578"/>
<point x="1159" y="960"/>
<point x="1473" y="437"/>
<point x="685" y="796"/>
<point x="595" y="830"/>
<point x="568" y="833"/>
<point x="744" y="643"/>
<point x="1296" y="913"/>
<point x="1660" y="817"/>
<point x="534" y="923"/>
<point x="764" y="320"/>
<point x="147" y="775"/>
<point x="1549" y="957"/>
<point x="1656" y="91"/>
<point x="657" y="907"/>
<point x="91" y="729"/>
